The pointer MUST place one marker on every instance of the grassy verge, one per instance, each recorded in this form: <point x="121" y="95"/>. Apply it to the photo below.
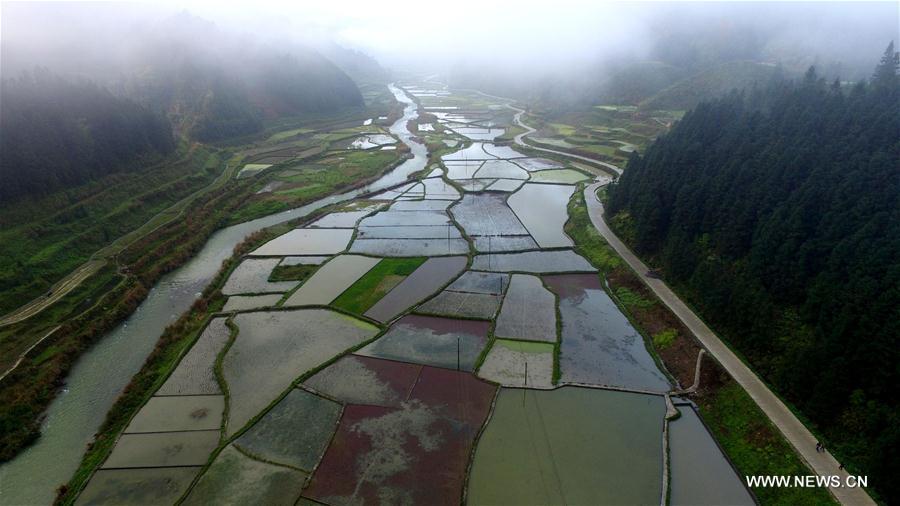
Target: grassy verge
<point x="753" y="444"/>
<point x="370" y="288"/>
<point x="588" y="242"/>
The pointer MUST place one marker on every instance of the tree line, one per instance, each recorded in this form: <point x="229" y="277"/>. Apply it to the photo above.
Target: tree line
<point x="776" y="213"/>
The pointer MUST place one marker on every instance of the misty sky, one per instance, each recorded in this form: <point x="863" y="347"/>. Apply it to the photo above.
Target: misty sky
<point x="556" y="34"/>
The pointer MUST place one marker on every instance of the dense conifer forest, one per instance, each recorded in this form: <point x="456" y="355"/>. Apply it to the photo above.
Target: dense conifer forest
<point x="57" y="133"/>
<point x="776" y="212"/>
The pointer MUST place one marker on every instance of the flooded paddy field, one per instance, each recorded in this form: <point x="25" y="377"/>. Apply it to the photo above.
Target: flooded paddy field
<point x="569" y="446"/>
<point x="528" y="312"/>
<point x="195" y="374"/>
<point x="414" y="454"/>
<point x="599" y="346"/>
<point x="544" y="222"/>
<point x="559" y="176"/>
<point x="294" y="433"/>
<point x="358" y="379"/>
<point x="462" y="170"/>
<point x="331" y="280"/>
<point x="501" y="169"/>
<point x="400" y="218"/>
<point x="163" y="449"/>
<point x="304" y="260"/>
<point x="537" y="164"/>
<point x="700" y="472"/>
<point x="505" y="185"/>
<point x="234" y="478"/>
<point x="179" y="413"/>
<point x="476" y="185"/>
<point x="346" y="219"/>
<point x="137" y="486"/>
<point x="537" y="262"/>
<point x="427" y="340"/>
<point x="519" y="364"/>
<point x="480" y="306"/>
<point x="507" y="243"/>
<point x="426" y="205"/>
<point x="486" y="214"/>
<point x="245" y="302"/>
<point x="410" y="247"/>
<point x="252" y="276"/>
<point x="447" y="231"/>
<point x="306" y="241"/>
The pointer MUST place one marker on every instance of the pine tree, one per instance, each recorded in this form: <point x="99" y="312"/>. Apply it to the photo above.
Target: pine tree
<point x="885" y="75"/>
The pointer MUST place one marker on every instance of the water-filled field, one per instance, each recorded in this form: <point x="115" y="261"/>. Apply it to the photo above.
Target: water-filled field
<point x="700" y="472"/>
<point x="306" y="241"/>
<point x="414" y="454"/>
<point x="599" y="346"/>
<point x="293" y="433"/>
<point x="538" y="262"/>
<point x="236" y="479"/>
<point x="487" y="214"/>
<point x="569" y="446"/>
<point x="331" y="279"/>
<point x="544" y="222"/>
<point x="252" y="276"/>
<point x="195" y="374"/>
<point x="426" y="340"/>
<point x="519" y="364"/>
<point x="528" y="312"/>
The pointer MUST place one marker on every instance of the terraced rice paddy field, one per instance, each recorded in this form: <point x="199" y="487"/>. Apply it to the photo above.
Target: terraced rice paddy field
<point x="444" y="344"/>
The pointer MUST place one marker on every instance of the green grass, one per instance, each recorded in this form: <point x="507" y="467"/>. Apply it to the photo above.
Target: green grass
<point x="370" y="288"/>
<point x="664" y="339"/>
<point x="631" y="299"/>
<point x="292" y="272"/>
<point x="756" y="447"/>
<point x="563" y="129"/>
<point x="288" y="133"/>
<point x="588" y="242"/>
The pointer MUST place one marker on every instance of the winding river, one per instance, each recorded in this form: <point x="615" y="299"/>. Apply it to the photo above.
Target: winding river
<point x="102" y="373"/>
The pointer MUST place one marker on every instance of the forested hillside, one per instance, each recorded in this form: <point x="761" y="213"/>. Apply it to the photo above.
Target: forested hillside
<point x="55" y="133"/>
<point x="777" y="215"/>
<point x="215" y="84"/>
